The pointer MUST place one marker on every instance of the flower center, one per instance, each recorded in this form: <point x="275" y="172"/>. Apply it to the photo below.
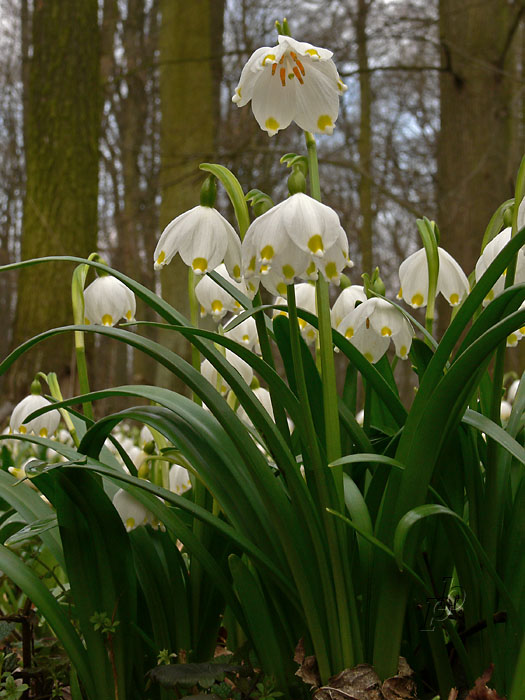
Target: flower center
<point x="289" y="65"/>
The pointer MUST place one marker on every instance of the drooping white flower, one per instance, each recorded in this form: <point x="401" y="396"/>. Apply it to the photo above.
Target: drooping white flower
<point x="491" y="250"/>
<point x="203" y="238"/>
<point x="44" y="425"/>
<point x="346" y="302"/>
<point x="505" y="411"/>
<point x="304" y="299"/>
<point x="132" y="513"/>
<point x="107" y="300"/>
<point x="413" y="274"/>
<point x="293" y="240"/>
<point x="245" y="333"/>
<point x="513" y="390"/>
<point x="213" y="299"/>
<point x="371" y="325"/>
<point x="293" y="81"/>
<point x="209" y="372"/>
<point x="263" y="395"/>
<point x="179" y="479"/>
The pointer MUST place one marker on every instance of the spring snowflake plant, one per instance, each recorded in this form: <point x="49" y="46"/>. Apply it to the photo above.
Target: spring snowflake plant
<point x="275" y="510"/>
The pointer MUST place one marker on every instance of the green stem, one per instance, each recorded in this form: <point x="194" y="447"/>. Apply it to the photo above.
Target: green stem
<point x="54" y="388"/>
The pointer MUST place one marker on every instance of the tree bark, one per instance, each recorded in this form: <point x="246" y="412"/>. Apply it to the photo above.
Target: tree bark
<point x="190" y="74"/>
<point x="478" y="152"/>
<point x="61" y="130"/>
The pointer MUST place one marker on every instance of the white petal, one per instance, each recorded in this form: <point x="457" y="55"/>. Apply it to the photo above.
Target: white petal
<point x="312" y="226"/>
<point x="372" y="345"/>
<point x="207" y="243"/>
<point x="346" y="302"/>
<point x="452" y="281"/>
<point x="171" y="237"/>
<point x="251" y="73"/>
<point x="273" y="103"/>
<point x="317" y="102"/>
<point x="413" y="275"/>
<point x="303" y="48"/>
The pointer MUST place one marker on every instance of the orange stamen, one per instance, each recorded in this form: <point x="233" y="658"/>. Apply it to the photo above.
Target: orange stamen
<point x="274" y="68"/>
<point x="283" y="76"/>
<point x="298" y="75"/>
<point x="282" y="59"/>
<point x="301" y="67"/>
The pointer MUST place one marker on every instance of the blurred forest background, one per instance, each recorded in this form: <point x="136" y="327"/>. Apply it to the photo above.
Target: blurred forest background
<point x="108" y="106"/>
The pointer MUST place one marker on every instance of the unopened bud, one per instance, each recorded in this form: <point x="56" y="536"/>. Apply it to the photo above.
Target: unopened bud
<point x="209" y="191"/>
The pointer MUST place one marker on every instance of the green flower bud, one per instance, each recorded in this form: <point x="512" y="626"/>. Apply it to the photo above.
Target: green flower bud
<point x="209" y="191"/>
<point x="373" y="285"/>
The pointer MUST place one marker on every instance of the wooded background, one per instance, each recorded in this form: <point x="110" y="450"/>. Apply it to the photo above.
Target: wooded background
<point x="108" y="106"/>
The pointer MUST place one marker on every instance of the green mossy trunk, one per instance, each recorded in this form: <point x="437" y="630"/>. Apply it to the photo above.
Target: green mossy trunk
<point x="61" y="131"/>
<point x="190" y="75"/>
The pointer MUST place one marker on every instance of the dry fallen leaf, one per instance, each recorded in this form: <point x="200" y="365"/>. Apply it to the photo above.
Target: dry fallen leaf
<point x="481" y="691"/>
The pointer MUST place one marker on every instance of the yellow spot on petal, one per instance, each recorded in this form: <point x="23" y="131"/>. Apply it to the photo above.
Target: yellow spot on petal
<point x="331" y="270"/>
<point x="107" y="320"/>
<point x="369" y="356"/>
<point x="200" y="265"/>
<point x="236" y="271"/>
<point x="245" y="338"/>
<point x="349" y="332"/>
<point x="267" y="253"/>
<point x="22" y="430"/>
<point x="130" y="524"/>
<point x="302" y="323"/>
<point x="315" y="244"/>
<point x="251" y="266"/>
<point x="288" y="272"/>
<point x="129" y="315"/>
<point x="386" y="331"/>
<point x="310" y="270"/>
<point x="417" y="299"/>
<point x="522" y="330"/>
<point x="313" y="53"/>
<point x="43" y="432"/>
<point x="86" y="321"/>
<point x="268" y="57"/>
<point x="311" y="334"/>
<point x="216" y="306"/>
<point x="454" y="299"/>
<point x="490" y="295"/>
<point x="264" y="269"/>
<point x="325" y="122"/>
<point x="400" y="293"/>
<point x="403" y="351"/>
<point x="203" y="311"/>
<point x="271" y="124"/>
<point x="161" y="257"/>
<point x="281" y="288"/>
<point x="512" y="340"/>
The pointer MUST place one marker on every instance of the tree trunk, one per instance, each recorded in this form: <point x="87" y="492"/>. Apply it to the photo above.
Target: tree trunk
<point x="190" y="74"/>
<point x="61" y="130"/>
<point x="478" y="153"/>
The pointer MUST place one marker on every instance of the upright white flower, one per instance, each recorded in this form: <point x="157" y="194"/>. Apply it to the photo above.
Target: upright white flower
<point x="304" y="299"/>
<point x="294" y="239"/>
<point x="371" y="325"/>
<point x="346" y="302"/>
<point x="179" y="479"/>
<point x="413" y="274"/>
<point x="203" y="238"/>
<point x="293" y="81"/>
<point x="132" y="513"/>
<point x="213" y="299"/>
<point x="491" y="250"/>
<point x="107" y="300"/>
<point x="44" y="426"/>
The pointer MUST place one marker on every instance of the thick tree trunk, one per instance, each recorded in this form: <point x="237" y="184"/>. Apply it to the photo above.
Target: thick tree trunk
<point x="478" y="153"/>
<point x="61" y="130"/>
<point x="190" y="74"/>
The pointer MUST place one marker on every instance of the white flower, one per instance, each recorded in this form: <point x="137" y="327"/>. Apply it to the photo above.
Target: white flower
<point x="209" y="372"/>
<point x="304" y="299"/>
<point x="346" y="302"/>
<point x="107" y="300"/>
<point x="213" y="299"/>
<point x="203" y="238"/>
<point x="490" y="251"/>
<point x="294" y="239"/>
<point x="263" y="395"/>
<point x="293" y="81"/>
<point x="132" y="512"/>
<point x="413" y="274"/>
<point x="145" y="436"/>
<point x="179" y="479"/>
<point x="372" y="324"/>
<point x="245" y="333"/>
<point x="45" y="425"/>
<point x="505" y="411"/>
<point x="513" y="390"/>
